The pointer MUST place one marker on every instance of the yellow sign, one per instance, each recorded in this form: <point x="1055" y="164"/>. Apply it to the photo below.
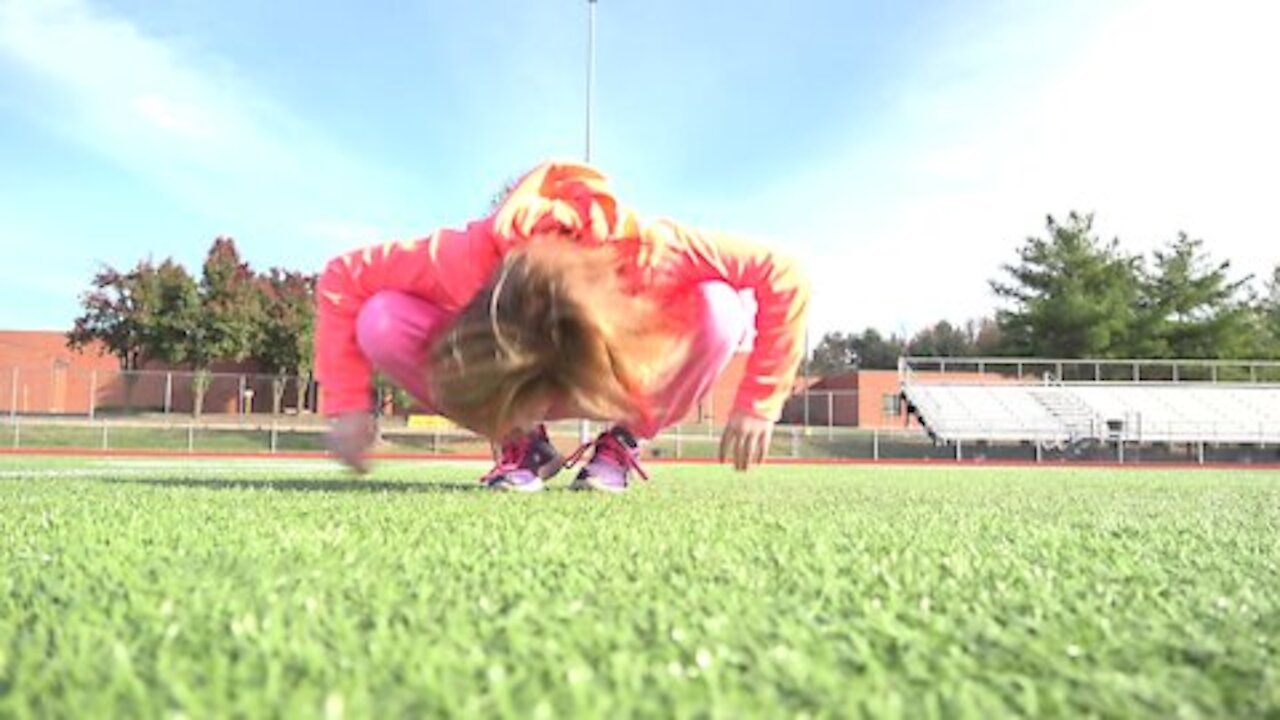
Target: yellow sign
<point x="431" y="422"/>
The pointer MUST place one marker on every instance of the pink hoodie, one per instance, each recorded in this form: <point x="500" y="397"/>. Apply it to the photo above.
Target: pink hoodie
<point x="449" y="266"/>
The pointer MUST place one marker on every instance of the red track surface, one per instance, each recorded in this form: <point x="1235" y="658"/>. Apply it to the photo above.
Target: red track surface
<point x="943" y="462"/>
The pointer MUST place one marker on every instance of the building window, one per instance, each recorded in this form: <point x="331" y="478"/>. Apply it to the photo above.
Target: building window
<point x="890" y="405"/>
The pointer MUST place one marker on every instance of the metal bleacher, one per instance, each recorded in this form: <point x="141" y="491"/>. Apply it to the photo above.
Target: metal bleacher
<point x="987" y="400"/>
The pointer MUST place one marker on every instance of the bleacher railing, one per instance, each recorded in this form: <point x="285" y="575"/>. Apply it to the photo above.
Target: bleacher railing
<point x="1242" y="438"/>
<point x="1109" y="370"/>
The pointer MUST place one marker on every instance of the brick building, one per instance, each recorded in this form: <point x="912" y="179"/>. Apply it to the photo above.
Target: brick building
<point x="859" y="398"/>
<point x="40" y="375"/>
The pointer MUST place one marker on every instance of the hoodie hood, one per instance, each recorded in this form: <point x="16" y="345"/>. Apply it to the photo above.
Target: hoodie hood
<point x="564" y="196"/>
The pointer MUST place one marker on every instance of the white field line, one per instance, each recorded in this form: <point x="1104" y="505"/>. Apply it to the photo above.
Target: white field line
<point x="219" y="464"/>
<point x="231" y="469"/>
<point x="238" y="464"/>
<point x="66" y="473"/>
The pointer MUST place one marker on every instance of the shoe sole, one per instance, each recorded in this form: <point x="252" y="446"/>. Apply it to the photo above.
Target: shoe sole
<point x="588" y="484"/>
<point x="535" y="485"/>
<point x="545" y="471"/>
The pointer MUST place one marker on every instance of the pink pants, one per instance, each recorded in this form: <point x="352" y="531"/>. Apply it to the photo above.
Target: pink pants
<point x="395" y="331"/>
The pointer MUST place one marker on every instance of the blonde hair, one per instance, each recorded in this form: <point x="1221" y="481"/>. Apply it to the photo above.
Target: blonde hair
<point x="554" y="325"/>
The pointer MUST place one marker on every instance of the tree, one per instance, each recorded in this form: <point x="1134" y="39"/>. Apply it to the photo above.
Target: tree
<point x="174" y="314"/>
<point x="943" y="340"/>
<point x="1190" y="308"/>
<point x="833" y="354"/>
<point x="144" y="314"/>
<point x="874" y="351"/>
<point x="111" y="311"/>
<point x="116" y="312"/>
<point x="987" y="338"/>
<point x="229" y="321"/>
<point x="838" y="352"/>
<point x="288" y="331"/>
<point x="1268" y="319"/>
<point x="1071" y="295"/>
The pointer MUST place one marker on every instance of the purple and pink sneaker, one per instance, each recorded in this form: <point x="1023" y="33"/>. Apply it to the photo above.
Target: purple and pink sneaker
<point x="617" y="453"/>
<point x="525" y="461"/>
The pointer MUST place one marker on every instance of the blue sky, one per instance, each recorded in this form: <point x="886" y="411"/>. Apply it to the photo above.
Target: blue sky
<point x="902" y="150"/>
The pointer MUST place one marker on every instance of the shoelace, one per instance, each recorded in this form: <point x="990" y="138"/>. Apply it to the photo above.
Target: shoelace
<point x="512" y="455"/>
<point x="611" y="448"/>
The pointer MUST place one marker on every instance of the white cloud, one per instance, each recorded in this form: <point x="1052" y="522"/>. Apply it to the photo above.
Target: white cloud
<point x="346" y="234"/>
<point x="121" y="85"/>
<point x="186" y="121"/>
<point x="1160" y="115"/>
<point x="1162" y="118"/>
<point x="173" y="117"/>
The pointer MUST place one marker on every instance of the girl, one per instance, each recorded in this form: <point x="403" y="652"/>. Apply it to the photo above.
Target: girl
<point x="561" y="304"/>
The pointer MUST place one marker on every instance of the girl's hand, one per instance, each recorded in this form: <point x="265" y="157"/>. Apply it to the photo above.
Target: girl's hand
<point x="746" y="440"/>
<point x="350" y="437"/>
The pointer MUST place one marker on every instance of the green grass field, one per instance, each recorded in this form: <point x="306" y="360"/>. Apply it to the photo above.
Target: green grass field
<point x="258" y="589"/>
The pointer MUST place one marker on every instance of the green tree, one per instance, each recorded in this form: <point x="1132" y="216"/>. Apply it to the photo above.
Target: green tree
<point x="874" y="351"/>
<point x="229" y="323"/>
<point x="833" y="354"/>
<point x="1070" y="295"/>
<point x="288" y="331"/>
<point x="174" y="315"/>
<point x="839" y="352"/>
<point x="1268" y="319"/>
<point x="1191" y="308"/>
<point x="943" y="339"/>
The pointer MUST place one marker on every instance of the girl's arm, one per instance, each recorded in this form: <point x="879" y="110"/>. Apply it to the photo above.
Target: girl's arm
<point x="782" y="295"/>
<point x="446" y="268"/>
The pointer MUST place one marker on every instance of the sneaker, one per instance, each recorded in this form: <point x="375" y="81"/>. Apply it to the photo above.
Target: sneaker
<point x="524" y="463"/>
<point x="617" y="453"/>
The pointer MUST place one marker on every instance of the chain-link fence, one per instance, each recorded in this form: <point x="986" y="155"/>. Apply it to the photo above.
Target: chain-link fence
<point x="63" y="391"/>
<point x="700" y="441"/>
<point x="67" y="393"/>
<point x="60" y="408"/>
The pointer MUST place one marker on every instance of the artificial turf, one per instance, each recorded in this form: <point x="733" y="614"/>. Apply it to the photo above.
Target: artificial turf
<point x="218" y="588"/>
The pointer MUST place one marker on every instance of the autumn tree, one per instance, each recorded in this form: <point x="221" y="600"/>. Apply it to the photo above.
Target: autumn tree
<point x="115" y="313"/>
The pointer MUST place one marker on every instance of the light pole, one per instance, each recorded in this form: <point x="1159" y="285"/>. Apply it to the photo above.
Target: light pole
<point x="584" y="427"/>
<point x="591" y="68"/>
<point x="805" y="384"/>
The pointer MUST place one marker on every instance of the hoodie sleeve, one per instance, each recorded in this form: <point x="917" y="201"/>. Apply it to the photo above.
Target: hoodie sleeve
<point x="782" y="296"/>
<point x="446" y="268"/>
